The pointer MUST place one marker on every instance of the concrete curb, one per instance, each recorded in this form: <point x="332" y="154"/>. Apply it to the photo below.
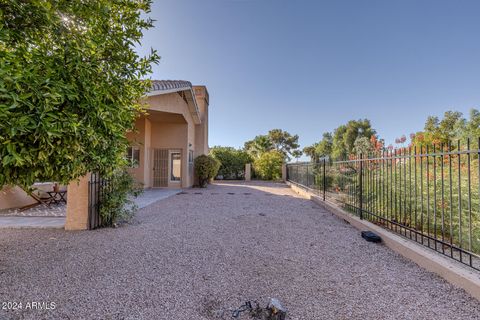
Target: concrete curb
<point x="450" y="270"/>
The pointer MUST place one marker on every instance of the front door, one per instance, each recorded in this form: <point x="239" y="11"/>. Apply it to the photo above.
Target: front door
<point x="175" y="169"/>
<point x="160" y="168"/>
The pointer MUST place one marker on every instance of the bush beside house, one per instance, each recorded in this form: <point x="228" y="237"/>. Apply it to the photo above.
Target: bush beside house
<point x="206" y="168"/>
<point x="117" y="198"/>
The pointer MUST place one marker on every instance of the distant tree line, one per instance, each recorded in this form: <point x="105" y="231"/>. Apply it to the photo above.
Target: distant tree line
<point x="267" y="153"/>
<point x="359" y="137"/>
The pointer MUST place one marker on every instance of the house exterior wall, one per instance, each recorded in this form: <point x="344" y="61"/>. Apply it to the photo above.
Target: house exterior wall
<point x="201" y="134"/>
<point x="172" y="136"/>
<point x="155" y="131"/>
<point x="151" y="132"/>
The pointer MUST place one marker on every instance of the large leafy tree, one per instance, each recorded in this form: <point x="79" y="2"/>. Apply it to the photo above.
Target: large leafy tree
<point x="472" y="126"/>
<point x="232" y="161"/>
<point x="345" y="135"/>
<point x="325" y="146"/>
<point x="451" y="127"/>
<point x="285" y="143"/>
<point x="311" y="152"/>
<point x="269" y="165"/>
<point x="70" y="86"/>
<point x="276" y="139"/>
<point x="259" y="145"/>
<point x="350" y="138"/>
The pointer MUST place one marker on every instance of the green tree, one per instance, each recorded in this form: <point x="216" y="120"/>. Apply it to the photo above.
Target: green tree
<point x="269" y="165"/>
<point x="363" y="146"/>
<point x="258" y="146"/>
<point x="70" y="86"/>
<point x="311" y="152"/>
<point x="451" y="127"/>
<point x="276" y="139"/>
<point x="232" y="161"/>
<point x="472" y="126"/>
<point x="345" y="135"/>
<point x="285" y="143"/>
<point x="325" y="146"/>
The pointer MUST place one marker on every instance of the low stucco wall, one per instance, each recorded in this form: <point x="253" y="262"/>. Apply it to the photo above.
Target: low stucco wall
<point x="15" y="197"/>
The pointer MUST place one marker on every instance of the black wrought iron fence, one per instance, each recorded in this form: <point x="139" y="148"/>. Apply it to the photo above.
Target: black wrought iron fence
<point x="97" y="187"/>
<point x="428" y="194"/>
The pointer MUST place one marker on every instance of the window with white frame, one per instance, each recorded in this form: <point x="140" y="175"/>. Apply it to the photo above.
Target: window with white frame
<point x="133" y="157"/>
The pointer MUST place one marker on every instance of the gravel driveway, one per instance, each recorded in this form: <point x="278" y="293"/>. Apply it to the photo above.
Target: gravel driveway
<point x="205" y="250"/>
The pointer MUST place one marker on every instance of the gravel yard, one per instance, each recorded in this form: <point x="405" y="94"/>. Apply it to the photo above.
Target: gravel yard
<point x="206" y="250"/>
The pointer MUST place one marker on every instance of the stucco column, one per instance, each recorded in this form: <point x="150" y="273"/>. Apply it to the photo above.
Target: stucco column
<point x="77" y="204"/>
<point x="284" y="172"/>
<point x="185" y="171"/>
<point x="248" y="172"/>
<point x="146" y="161"/>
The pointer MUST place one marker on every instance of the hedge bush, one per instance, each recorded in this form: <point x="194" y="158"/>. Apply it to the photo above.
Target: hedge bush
<point x="117" y="203"/>
<point x="269" y="165"/>
<point x="232" y="161"/>
<point x="206" y="168"/>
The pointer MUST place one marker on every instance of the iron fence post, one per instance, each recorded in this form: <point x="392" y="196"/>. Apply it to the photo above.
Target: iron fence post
<point x="360" y="193"/>
<point x="324" y="178"/>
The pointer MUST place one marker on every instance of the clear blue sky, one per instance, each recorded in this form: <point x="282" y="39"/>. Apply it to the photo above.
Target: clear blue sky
<point x="307" y="66"/>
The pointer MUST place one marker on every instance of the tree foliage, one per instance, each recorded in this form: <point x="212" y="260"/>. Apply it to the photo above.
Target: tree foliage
<point x="117" y="199"/>
<point x="451" y="127"/>
<point x="269" y="165"/>
<point x="325" y="146"/>
<point x="258" y="146"/>
<point x="232" y="161"/>
<point x="70" y="86"/>
<point x="345" y="135"/>
<point x="347" y="139"/>
<point x="362" y="146"/>
<point x="311" y="152"/>
<point x="276" y="139"/>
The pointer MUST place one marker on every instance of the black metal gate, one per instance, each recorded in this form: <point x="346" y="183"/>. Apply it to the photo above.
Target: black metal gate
<point x="430" y="195"/>
<point x="96" y="190"/>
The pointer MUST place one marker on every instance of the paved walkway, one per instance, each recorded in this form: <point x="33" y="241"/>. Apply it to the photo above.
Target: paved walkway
<point x="204" y="251"/>
<point x="150" y="196"/>
<point x="44" y="217"/>
<point x="31" y="222"/>
<point x="41" y="210"/>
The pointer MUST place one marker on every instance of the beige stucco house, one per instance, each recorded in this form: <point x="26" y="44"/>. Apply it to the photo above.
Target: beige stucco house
<point x="167" y="138"/>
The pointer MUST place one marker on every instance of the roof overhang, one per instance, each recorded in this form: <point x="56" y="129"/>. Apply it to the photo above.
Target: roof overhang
<point x="167" y="86"/>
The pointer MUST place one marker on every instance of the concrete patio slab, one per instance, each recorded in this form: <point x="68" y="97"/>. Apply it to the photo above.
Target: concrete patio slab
<point x="16" y="222"/>
<point x="151" y="196"/>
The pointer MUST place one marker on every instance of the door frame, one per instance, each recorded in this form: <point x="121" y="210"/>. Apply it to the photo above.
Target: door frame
<point x="170" y="152"/>
<point x="170" y="183"/>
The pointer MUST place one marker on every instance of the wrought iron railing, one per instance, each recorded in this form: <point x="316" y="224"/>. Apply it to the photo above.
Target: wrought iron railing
<point x="97" y="186"/>
<point x="429" y="195"/>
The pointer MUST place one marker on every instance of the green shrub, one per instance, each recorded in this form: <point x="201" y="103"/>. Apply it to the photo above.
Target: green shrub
<point x="117" y="203"/>
<point x="269" y="165"/>
<point x="232" y="161"/>
<point x="206" y="168"/>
